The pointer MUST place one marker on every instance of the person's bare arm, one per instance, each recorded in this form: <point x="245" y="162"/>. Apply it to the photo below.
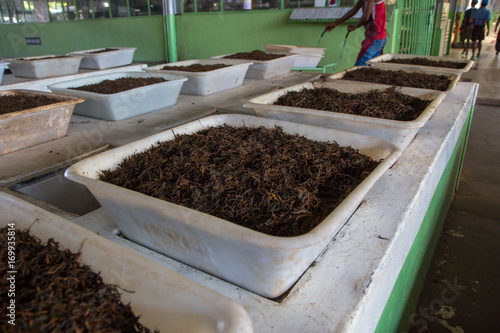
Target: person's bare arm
<point x="332" y="25"/>
<point x="367" y="12"/>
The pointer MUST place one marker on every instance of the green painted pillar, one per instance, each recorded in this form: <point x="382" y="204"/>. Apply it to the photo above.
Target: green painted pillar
<point x="170" y="33"/>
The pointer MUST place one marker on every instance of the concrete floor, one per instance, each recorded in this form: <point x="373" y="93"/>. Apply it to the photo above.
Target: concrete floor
<point x="461" y="292"/>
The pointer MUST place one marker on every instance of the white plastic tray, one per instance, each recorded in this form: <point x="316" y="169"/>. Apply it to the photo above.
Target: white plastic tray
<point x="210" y="82"/>
<point x="126" y="104"/>
<point x="307" y="56"/>
<point x="267" y="69"/>
<point x="164" y="299"/>
<point x="264" y="264"/>
<point x="400" y="133"/>
<point x="454" y="78"/>
<point x="380" y="62"/>
<point x="49" y="66"/>
<point x="120" y="56"/>
<point x="26" y="128"/>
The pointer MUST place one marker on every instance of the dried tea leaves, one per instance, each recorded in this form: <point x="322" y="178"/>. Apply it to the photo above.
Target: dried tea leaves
<point x="55" y="293"/>
<point x="102" y="51"/>
<point x="108" y="87"/>
<point x="195" y="67"/>
<point x="263" y="179"/>
<point x="13" y="103"/>
<point x="400" y="78"/>
<point x="384" y="104"/>
<point x="428" y="62"/>
<point x="43" y="58"/>
<point x="255" y="55"/>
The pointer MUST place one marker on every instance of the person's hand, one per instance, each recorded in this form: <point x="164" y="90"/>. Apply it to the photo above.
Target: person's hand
<point x="351" y="28"/>
<point x="330" y="26"/>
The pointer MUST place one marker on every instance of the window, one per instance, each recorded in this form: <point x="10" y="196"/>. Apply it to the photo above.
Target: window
<point x="84" y="9"/>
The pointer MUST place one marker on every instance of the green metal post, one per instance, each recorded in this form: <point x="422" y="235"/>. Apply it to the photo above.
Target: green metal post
<point x="170" y="32"/>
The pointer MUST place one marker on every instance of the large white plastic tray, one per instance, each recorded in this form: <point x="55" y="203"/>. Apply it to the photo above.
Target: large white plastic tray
<point x="120" y="56"/>
<point x="380" y="62"/>
<point x="400" y="133"/>
<point x="264" y="264"/>
<point x="26" y="128"/>
<point x="266" y="69"/>
<point x="125" y="104"/>
<point x="454" y="78"/>
<point x="210" y="82"/>
<point x="41" y="67"/>
<point x="164" y="299"/>
<point x="307" y="56"/>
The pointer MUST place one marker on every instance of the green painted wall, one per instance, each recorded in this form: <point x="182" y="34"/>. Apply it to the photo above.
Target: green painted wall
<point x="404" y="297"/>
<point x="199" y="36"/>
<point x="145" y="33"/>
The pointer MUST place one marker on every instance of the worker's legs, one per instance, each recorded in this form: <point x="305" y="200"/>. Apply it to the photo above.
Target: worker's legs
<point x="373" y="51"/>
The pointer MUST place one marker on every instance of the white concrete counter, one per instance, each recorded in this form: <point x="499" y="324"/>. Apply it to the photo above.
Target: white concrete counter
<point x="347" y="287"/>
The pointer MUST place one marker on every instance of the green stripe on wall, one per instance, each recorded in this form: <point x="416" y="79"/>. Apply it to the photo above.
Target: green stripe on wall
<point x="404" y="297"/>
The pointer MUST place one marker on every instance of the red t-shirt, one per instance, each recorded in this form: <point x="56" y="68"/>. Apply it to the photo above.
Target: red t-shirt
<point x="379" y="17"/>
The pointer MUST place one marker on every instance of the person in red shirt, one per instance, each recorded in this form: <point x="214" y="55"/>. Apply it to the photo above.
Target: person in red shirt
<point x="374" y="21"/>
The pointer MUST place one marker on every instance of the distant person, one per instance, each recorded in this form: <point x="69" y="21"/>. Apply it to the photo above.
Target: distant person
<point x="497" y="44"/>
<point x="481" y="18"/>
<point x="467" y="27"/>
<point x="374" y="21"/>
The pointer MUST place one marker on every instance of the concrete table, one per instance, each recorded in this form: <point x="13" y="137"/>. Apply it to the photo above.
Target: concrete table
<point x="362" y="281"/>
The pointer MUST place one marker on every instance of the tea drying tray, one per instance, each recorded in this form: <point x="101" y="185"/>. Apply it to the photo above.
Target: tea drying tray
<point x="41" y="67"/>
<point x="400" y="133"/>
<point x="163" y="299"/>
<point x="454" y="78"/>
<point x="125" y="104"/>
<point x="266" y="69"/>
<point x="381" y="62"/>
<point x="30" y="127"/>
<point x="93" y="59"/>
<point x="264" y="264"/>
<point x="209" y="82"/>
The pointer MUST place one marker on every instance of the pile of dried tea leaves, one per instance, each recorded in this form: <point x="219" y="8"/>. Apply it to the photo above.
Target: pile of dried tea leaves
<point x="263" y="179"/>
<point x="384" y="104"/>
<point x="195" y="67"/>
<point x="44" y="58"/>
<point x="13" y="103"/>
<point x="55" y="293"/>
<point x="400" y="78"/>
<point x="102" y="51"/>
<point x="428" y="62"/>
<point x="108" y="87"/>
<point x="255" y="55"/>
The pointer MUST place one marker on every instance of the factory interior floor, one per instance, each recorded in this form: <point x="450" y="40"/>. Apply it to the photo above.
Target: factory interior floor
<point x="460" y="292"/>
